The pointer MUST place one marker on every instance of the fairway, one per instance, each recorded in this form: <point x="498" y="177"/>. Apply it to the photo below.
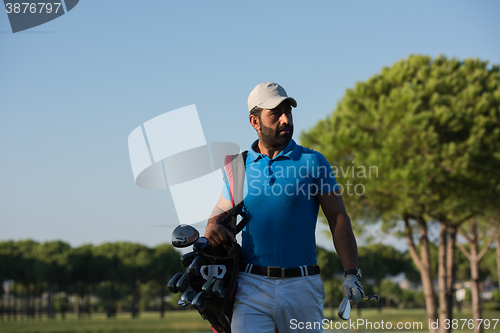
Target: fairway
<point x="190" y="321"/>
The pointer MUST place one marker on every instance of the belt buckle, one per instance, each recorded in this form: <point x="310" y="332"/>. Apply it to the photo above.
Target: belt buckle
<point x="272" y="277"/>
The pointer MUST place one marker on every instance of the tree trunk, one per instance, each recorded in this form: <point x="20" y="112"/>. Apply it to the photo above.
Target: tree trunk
<point x="474" y="257"/>
<point x="498" y="258"/>
<point x="474" y="278"/>
<point x="423" y="263"/>
<point x="14" y="301"/>
<point x="134" y="299"/>
<point x="111" y="299"/>
<point x="442" y="279"/>
<point x="162" y="302"/>
<point x="450" y="268"/>
<point x="27" y="300"/>
<point x="49" y="302"/>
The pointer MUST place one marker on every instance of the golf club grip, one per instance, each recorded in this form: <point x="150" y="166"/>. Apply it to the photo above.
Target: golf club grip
<point x="370" y="297"/>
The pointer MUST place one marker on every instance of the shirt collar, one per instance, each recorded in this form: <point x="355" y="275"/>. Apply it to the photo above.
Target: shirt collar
<point x="286" y="152"/>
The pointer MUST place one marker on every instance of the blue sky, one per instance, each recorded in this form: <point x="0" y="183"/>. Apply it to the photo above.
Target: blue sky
<point x="73" y="89"/>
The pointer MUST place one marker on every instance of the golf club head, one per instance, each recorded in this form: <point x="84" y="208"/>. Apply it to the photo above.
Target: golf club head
<point x="203" y="245"/>
<point x="195" y="266"/>
<point x="207" y="287"/>
<point x="188" y="295"/>
<point x="187" y="258"/>
<point x="219" y="289"/>
<point x="183" y="283"/>
<point x="182" y="303"/>
<point x="344" y="311"/>
<point x="171" y="285"/>
<point x="199" y="302"/>
<point x="184" y="235"/>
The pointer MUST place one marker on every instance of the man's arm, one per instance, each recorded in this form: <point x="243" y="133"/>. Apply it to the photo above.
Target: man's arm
<point x="340" y="226"/>
<point x="344" y="241"/>
<point x="214" y="231"/>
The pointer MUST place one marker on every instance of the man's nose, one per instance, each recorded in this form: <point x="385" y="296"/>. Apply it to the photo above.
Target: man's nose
<point x="285" y="118"/>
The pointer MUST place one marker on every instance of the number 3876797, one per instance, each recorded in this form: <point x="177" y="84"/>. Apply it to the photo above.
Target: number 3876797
<point x="32" y="8"/>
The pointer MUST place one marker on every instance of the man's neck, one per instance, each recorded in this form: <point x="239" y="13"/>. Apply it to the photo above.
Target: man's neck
<point x="272" y="152"/>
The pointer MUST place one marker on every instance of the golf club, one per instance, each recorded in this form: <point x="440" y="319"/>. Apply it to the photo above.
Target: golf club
<point x="171" y="285"/>
<point x="219" y="289"/>
<point x="195" y="266"/>
<point x="184" y="235"/>
<point x="188" y="295"/>
<point x="187" y="258"/>
<point x="344" y="311"/>
<point x="203" y="245"/>
<point x="183" y="283"/>
<point x="182" y="303"/>
<point x="207" y="287"/>
<point x="199" y="302"/>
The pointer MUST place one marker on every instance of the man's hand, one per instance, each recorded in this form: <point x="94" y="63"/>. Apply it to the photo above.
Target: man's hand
<point x="352" y="289"/>
<point x="217" y="234"/>
<point x="214" y="231"/>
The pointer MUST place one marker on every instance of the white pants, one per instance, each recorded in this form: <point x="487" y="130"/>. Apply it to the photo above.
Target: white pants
<point x="263" y="304"/>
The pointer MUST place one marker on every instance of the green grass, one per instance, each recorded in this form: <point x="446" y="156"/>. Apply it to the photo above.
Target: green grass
<point x="190" y="321"/>
<point x="150" y="322"/>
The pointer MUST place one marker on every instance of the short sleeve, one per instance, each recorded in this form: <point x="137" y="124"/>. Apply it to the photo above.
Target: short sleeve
<point x="324" y="177"/>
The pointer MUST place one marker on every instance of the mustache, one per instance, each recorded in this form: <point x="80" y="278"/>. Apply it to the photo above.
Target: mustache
<point x="285" y="128"/>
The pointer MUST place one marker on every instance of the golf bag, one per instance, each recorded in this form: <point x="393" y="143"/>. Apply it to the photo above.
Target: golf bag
<point x="224" y="263"/>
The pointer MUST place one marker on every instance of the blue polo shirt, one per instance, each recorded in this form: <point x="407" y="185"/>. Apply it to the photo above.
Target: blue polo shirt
<point x="281" y="204"/>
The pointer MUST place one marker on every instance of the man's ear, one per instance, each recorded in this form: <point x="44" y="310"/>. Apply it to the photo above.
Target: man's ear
<point x="254" y="121"/>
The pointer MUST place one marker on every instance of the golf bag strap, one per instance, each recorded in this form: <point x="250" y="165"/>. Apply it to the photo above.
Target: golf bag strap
<point x="235" y="169"/>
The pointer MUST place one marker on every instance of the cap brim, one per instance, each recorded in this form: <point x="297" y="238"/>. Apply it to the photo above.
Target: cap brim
<point x="275" y="101"/>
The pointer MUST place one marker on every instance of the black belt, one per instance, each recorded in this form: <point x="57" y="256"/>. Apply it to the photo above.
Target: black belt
<point x="277" y="272"/>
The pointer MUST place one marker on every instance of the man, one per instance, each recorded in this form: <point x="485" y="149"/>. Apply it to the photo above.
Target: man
<point x="285" y="184"/>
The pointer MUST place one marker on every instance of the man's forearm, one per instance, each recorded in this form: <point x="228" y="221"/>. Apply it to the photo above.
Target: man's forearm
<point x="345" y="242"/>
<point x="217" y="216"/>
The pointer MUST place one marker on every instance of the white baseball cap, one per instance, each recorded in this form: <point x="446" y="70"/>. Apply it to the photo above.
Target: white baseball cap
<point x="268" y="95"/>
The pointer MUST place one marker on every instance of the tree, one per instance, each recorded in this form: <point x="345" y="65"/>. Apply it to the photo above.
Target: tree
<point x="26" y="271"/>
<point x="107" y="262"/>
<point x="136" y="260"/>
<point x="165" y="263"/>
<point x="51" y="267"/>
<point x="84" y="274"/>
<point x="416" y="143"/>
<point x="474" y="255"/>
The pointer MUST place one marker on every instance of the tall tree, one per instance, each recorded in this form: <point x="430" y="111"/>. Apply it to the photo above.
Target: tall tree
<point x="165" y="263"/>
<point x="136" y="260"/>
<point x="407" y="145"/>
<point x="51" y="267"/>
<point x="107" y="262"/>
<point x="474" y="255"/>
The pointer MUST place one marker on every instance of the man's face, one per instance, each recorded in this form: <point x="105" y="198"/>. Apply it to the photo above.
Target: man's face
<point x="276" y="125"/>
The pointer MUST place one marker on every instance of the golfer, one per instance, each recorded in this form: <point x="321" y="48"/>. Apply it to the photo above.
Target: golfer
<point x="285" y="184"/>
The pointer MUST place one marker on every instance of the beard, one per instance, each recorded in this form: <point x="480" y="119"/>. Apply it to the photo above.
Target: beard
<point x="274" y="138"/>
